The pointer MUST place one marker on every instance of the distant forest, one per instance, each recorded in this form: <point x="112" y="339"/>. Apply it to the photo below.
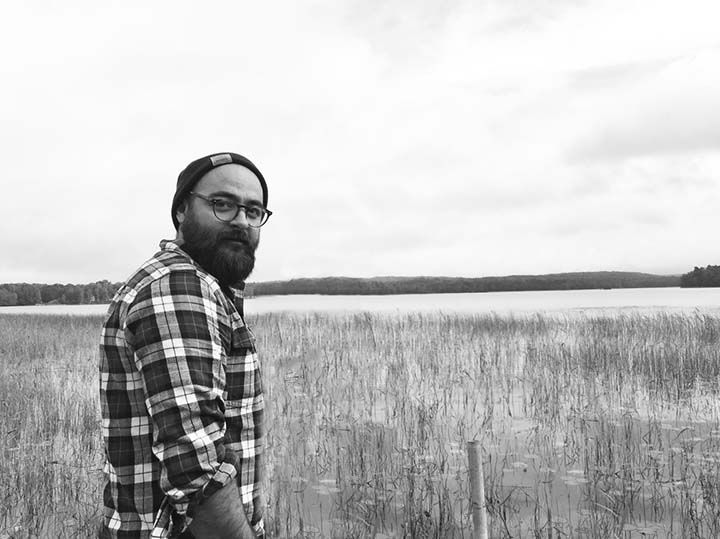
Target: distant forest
<point x="438" y="285"/>
<point x="67" y="294"/>
<point x="103" y="291"/>
<point x="708" y="276"/>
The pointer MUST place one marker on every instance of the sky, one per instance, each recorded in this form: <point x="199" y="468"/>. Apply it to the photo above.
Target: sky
<point x="397" y="137"/>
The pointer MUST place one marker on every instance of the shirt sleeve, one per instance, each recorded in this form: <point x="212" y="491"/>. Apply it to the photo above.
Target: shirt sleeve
<point x="177" y="327"/>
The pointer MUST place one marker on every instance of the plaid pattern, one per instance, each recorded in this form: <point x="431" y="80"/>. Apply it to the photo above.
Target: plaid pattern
<point x="181" y="398"/>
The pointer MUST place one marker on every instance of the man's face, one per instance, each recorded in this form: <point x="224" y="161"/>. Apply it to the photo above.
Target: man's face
<point x="225" y="250"/>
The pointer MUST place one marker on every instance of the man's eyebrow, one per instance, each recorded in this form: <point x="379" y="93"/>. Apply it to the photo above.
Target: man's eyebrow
<point x="234" y="197"/>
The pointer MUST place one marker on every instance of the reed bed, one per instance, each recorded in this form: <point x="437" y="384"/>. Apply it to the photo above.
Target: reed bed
<point x="50" y="443"/>
<point x="591" y="426"/>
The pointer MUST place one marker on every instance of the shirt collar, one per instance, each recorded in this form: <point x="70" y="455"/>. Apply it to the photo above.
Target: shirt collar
<point x="172" y="245"/>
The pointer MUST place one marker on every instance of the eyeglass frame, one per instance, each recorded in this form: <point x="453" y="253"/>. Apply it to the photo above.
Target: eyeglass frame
<point x="263" y="220"/>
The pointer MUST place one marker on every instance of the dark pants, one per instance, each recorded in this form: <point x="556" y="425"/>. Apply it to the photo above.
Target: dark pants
<point x="188" y="535"/>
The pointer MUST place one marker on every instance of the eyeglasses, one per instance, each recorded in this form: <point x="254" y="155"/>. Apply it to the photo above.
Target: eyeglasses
<point x="227" y="210"/>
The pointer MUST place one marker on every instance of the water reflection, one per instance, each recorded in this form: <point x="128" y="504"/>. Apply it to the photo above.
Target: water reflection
<point x="552" y="301"/>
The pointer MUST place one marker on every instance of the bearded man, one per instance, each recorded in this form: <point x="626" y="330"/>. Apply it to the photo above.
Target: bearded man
<point x="180" y="388"/>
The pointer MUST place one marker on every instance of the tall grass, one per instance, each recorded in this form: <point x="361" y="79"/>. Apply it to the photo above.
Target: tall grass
<point x="51" y="449"/>
<point x="604" y="426"/>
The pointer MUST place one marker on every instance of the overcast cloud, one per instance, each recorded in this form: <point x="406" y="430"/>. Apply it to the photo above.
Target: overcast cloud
<point x="398" y="137"/>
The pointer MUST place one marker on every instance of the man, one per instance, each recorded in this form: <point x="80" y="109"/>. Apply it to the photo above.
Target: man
<point x="180" y="388"/>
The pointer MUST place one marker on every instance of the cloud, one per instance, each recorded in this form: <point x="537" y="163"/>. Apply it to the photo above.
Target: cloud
<point x="600" y="77"/>
<point x="675" y="111"/>
<point x="397" y="137"/>
<point x="404" y="32"/>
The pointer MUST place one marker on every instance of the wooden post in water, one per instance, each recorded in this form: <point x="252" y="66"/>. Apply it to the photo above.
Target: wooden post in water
<point x="477" y="491"/>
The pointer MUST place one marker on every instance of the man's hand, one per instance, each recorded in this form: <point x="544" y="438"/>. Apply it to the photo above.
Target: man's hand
<point x="222" y="516"/>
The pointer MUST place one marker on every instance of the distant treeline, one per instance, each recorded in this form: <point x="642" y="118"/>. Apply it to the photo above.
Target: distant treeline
<point x="708" y="276"/>
<point x="438" y="285"/>
<point x="72" y="294"/>
<point x="103" y="291"/>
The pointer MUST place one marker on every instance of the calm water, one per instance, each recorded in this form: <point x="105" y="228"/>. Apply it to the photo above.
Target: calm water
<point x="556" y="301"/>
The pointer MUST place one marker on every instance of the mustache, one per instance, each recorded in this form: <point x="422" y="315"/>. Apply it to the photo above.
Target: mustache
<point x="237" y="235"/>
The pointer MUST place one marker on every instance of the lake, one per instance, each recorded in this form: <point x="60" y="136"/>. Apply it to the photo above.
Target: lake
<point x="563" y="302"/>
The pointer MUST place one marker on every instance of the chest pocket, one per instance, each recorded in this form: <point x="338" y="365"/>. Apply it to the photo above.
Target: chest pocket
<point x="242" y="376"/>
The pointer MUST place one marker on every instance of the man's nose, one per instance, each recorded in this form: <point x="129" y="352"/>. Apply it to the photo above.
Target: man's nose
<point x="241" y="219"/>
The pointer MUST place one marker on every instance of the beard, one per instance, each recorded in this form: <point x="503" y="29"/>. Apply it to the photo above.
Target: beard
<point x="227" y="254"/>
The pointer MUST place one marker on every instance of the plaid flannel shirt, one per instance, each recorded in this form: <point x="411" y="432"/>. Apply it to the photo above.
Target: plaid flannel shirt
<point x="181" y="398"/>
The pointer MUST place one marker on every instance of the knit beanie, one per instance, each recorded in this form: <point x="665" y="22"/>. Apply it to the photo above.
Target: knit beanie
<point x="192" y="173"/>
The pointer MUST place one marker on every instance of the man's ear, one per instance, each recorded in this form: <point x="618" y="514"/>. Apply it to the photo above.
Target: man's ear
<point x="181" y="211"/>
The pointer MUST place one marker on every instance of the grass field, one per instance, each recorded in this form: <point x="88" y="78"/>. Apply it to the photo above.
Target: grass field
<point x="591" y="427"/>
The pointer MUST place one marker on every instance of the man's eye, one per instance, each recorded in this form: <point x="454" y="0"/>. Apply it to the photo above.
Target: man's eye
<point x="253" y="212"/>
<point x="223" y="205"/>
